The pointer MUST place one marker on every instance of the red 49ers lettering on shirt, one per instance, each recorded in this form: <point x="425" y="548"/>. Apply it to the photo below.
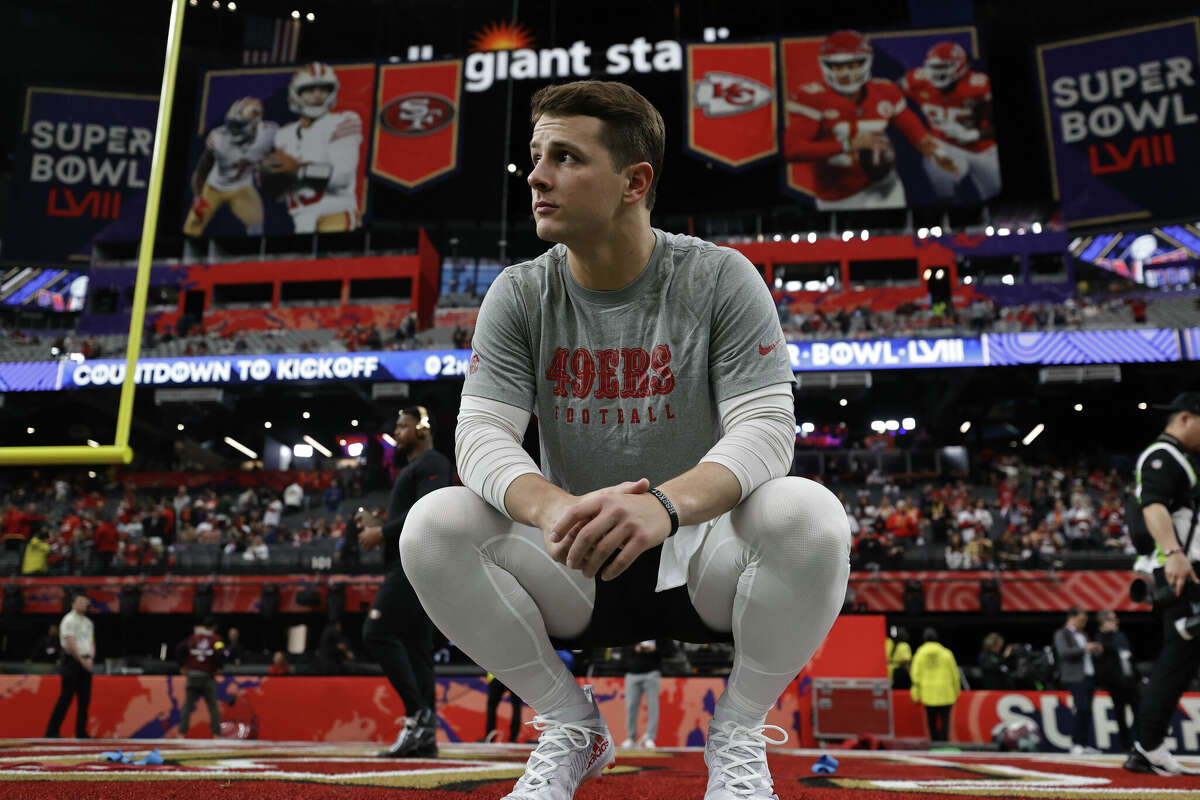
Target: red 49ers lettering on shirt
<point x="626" y="384"/>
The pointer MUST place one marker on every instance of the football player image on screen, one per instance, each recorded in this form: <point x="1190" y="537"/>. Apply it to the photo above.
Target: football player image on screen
<point x="841" y="125"/>
<point x="225" y="173"/>
<point x="957" y="104"/>
<point x="317" y="155"/>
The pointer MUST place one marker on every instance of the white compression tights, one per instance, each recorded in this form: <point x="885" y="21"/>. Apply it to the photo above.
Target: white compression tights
<point x="773" y="571"/>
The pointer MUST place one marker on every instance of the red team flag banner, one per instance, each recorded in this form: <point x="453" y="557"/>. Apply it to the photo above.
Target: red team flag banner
<point x="733" y="110"/>
<point x="416" y="130"/>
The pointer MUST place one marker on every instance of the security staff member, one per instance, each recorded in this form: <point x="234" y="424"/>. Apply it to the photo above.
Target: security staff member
<point x="1167" y="491"/>
<point x="78" y="638"/>
<point x="397" y="630"/>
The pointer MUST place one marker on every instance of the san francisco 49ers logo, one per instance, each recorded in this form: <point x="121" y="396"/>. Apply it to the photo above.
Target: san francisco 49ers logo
<point x="723" y="94"/>
<point x="417" y="114"/>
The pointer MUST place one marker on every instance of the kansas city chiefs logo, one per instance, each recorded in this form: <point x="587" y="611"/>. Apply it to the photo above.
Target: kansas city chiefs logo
<point x="416" y="114"/>
<point x="723" y="94"/>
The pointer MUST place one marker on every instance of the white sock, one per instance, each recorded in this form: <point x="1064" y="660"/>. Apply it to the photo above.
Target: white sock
<point x="733" y="708"/>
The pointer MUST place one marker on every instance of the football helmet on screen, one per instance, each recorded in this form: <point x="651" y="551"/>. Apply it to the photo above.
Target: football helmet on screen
<point x="845" y="48"/>
<point x="945" y="63"/>
<point x="310" y="76"/>
<point x="242" y="118"/>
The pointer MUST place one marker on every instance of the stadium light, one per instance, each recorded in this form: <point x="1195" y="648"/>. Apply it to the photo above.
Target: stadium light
<point x="179" y="427"/>
<point x="968" y="280"/>
<point x="193" y="3"/>
<point x="1142" y="406"/>
<point x="216" y="3"/>
<point x="232" y="6"/>
<point x="387" y="437"/>
<point x="1079" y="406"/>
<point x="320" y="448"/>
<point x="927" y="274"/>
<point x="908" y="422"/>
<point x="1033" y="434"/>
<point x="355" y="449"/>
<point x="843" y="402"/>
<point x="847" y="235"/>
<point x="241" y="448"/>
<point x="306" y="415"/>
<point x="808" y="427"/>
<point x="295" y="14"/>
<point x="1036" y="227"/>
<point x="30" y="431"/>
<point x="893" y="425"/>
<point x="302" y="451"/>
<point x="311" y="17"/>
<point x="812" y="237"/>
<point x="878" y="425"/>
<point x="1008" y="280"/>
<point x="92" y="443"/>
<point x="865" y="235"/>
<point x="512" y="168"/>
<point x="989" y="231"/>
<point x="353" y="423"/>
<point x="941" y="273"/>
<point x="92" y="472"/>
<point x="1003" y="231"/>
<point x="966" y="426"/>
<point x="778" y="237"/>
<point x="795" y="238"/>
<point x="922" y="233"/>
<point x="936" y="230"/>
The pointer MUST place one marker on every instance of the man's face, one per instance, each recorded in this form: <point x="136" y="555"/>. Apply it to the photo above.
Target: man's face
<point x="1109" y="622"/>
<point x="81" y="604"/>
<point x="1189" y="425"/>
<point x="846" y="73"/>
<point x="576" y="192"/>
<point x="314" y="95"/>
<point x="406" y="433"/>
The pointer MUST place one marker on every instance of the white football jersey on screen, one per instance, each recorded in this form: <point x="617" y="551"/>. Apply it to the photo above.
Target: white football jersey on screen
<point x="234" y="162"/>
<point x="332" y="139"/>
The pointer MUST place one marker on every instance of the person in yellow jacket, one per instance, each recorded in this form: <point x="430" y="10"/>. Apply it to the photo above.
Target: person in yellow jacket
<point x="37" y="555"/>
<point x="935" y="684"/>
<point x="899" y="658"/>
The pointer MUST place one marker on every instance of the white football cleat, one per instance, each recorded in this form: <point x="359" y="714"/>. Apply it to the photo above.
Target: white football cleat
<point x="567" y="754"/>
<point x="737" y="761"/>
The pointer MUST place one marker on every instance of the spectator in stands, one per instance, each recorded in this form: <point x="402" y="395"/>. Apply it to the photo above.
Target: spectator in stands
<point x="293" y="497"/>
<point x="257" y="551"/>
<point x="273" y="513"/>
<point x="279" y="664"/>
<point x="106" y="543"/>
<point x="956" y="554"/>
<point x="77" y="636"/>
<point x="1137" y="306"/>
<point x="935" y="684"/>
<point x="181" y="501"/>
<point x="1059" y="518"/>
<point x="1114" y="673"/>
<point x="36" y="558"/>
<point x="247" y="500"/>
<point x="201" y="657"/>
<point x="982" y="553"/>
<point x="47" y="649"/>
<point x="1012" y="548"/>
<point x="995" y="664"/>
<point x="1080" y="519"/>
<point x="1077" y="672"/>
<point x="333" y="496"/>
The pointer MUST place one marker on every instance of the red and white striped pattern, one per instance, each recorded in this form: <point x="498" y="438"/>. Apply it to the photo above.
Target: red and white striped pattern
<point x="1020" y="591"/>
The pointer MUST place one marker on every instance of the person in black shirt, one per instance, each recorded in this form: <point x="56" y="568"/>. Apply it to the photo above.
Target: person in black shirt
<point x="397" y="629"/>
<point x="1166" y="490"/>
<point x="994" y="662"/>
<point x="47" y="648"/>
<point x="1114" y="672"/>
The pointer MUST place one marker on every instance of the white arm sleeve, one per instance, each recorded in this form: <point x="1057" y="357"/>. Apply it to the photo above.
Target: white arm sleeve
<point x="760" y="436"/>
<point x="487" y="446"/>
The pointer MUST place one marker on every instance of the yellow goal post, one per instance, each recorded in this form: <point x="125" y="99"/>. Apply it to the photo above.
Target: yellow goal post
<point x="119" y="452"/>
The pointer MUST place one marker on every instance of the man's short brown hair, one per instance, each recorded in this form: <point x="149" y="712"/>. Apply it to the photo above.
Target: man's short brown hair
<point x="633" y="129"/>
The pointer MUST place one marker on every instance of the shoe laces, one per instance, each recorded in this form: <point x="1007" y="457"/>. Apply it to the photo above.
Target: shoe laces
<point x="557" y="741"/>
<point x="737" y="759"/>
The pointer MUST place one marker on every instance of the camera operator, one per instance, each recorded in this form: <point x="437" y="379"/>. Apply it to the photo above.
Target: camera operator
<point x="1166" y="491"/>
<point x="397" y="629"/>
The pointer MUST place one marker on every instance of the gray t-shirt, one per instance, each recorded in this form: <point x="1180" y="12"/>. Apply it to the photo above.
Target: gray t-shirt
<point x="625" y="383"/>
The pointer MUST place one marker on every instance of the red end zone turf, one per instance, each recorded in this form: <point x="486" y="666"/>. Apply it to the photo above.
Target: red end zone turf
<point x="41" y="770"/>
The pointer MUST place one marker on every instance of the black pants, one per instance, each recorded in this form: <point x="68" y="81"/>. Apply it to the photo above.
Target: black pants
<point x="496" y="691"/>
<point x="200" y="684"/>
<point x="1123" y="699"/>
<point x="938" y="718"/>
<point x="1082" y="694"/>
<point x="76" y="682"/>
<point x="399" y="634"/>
<point x="1177" y="664"/>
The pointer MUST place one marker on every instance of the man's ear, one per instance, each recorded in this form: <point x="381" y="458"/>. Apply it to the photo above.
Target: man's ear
<point x="639" y="178"/>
